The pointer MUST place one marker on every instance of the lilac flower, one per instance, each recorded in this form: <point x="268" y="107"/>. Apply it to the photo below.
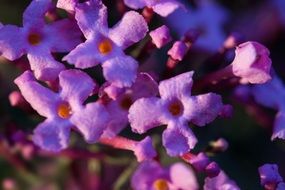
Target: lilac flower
<point x="220" y="182"/>
<point x="208" y="18"/>
<point x="175" y="108"/>
<point x="38" y="39"/>
<point x="104" y="45"/>
<point x="269" y="176"/>
<point x="252" y="63"/>
<point x="160" y="36"/>
<point x="64" y="110"/>
<point x="144" y="86"/>
<point x="162" y="7"/>
<point x="178" y="50"/>
<point x="151" y="176"/>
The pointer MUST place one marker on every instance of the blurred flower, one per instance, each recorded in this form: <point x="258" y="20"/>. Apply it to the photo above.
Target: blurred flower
<point x="269" y="176"/>
<point x="175" y="108"/>
<point x="64" y="109"/>
<point x="104" y="45"/>
<point x="38" y="39"/>
<point x="151" y="176"/>
<point x="220" y="182"/>
<point x="208" y="18"/>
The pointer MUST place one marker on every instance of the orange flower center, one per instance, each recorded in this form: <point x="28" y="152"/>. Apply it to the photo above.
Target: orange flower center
<point x="105" y="46"/>
<point x="64" y="110"/>
<point x="160" y="184"/>
<point x="34" y="38"/>
<point x="175" y="108"/>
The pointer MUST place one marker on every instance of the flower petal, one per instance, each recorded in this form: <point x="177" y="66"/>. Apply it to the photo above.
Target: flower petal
<point x="43" y="100"/>
<point x="131" y="29"/>
<point x="202" y="109"/>
<point x="43" y="64"/>
<point x="12" y="43"/>
<point x="76" y="86"/>
<point x="279" y="127"/>
<point x="178" y="139"/>
<point x="52" y="135"/>
<point x="176" y="87"/>
<point x="68" y="5"/>
<point x="164" y="8"/>
<point x="144" y="86"/>
<point x="183" y="177"/>
<point x="144" y="150"/>
<point x="145" y="114"/>
<point x="118" y="119"/>
<point x="35" y="12"/>
<point x="91" y="121"/>
<point x="91" y="16"/>
<point x="120" y="71"/>
<point x="64" y="35"/>
<point x="142" y="180"/>
<point x="135" y="4"/>
<point x="220" y="182"/>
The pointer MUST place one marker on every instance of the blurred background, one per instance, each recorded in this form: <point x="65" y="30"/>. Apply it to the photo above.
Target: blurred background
<point x="248" y="132"/>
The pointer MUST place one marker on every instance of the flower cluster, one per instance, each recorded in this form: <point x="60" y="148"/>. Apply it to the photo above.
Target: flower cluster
<point x="65" y="86"/>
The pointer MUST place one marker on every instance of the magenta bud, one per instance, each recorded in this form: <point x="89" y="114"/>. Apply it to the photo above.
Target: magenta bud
<point x="160" y="36"/>
<point x="178" y="50"/>
<point x="212" y="170"/>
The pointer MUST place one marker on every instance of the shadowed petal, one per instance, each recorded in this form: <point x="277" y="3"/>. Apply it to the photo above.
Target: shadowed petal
<point x="42" y="99"/>
<point x="64" y="35"/>
<point x="279" y="126"/>
<point x="35" y="12"/>
<point x="12" y="42"/>
<point x="144" y="150"/>
<point x="176" y="87"/>
<point x="52" y="135"/>
<point x="91" y="16"/>
<point x="131" y="29"/>
<point x="91" y="121"/>
<point x="120" y="71"/>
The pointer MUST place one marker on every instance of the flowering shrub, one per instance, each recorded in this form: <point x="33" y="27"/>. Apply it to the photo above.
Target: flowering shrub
<point x="172" y="90"/>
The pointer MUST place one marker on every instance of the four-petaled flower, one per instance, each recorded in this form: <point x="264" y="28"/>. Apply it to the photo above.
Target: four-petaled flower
<point x="104" y="45"/>
<point x="175" y="108"/>
<point x="64" y="110"/>
<point x="38" y="40"/>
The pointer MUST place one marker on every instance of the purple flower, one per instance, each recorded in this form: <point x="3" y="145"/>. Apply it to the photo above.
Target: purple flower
<point x="64" y="110"/>
<point x="38" y="39"/>
<point x="208" y="18"/>
<point x="162" y="7"/>
<point x="175" y="108"/>
<point x="160" y="36"/>
<point x="178" y="50"/>
<point x="151" y="176"/>
<point x="144" y="86"/>
<point x="269" y="176"/>
<point x="252" y="63"/>
<point x="104" y="45"/>
<point x="220" y="182"/>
